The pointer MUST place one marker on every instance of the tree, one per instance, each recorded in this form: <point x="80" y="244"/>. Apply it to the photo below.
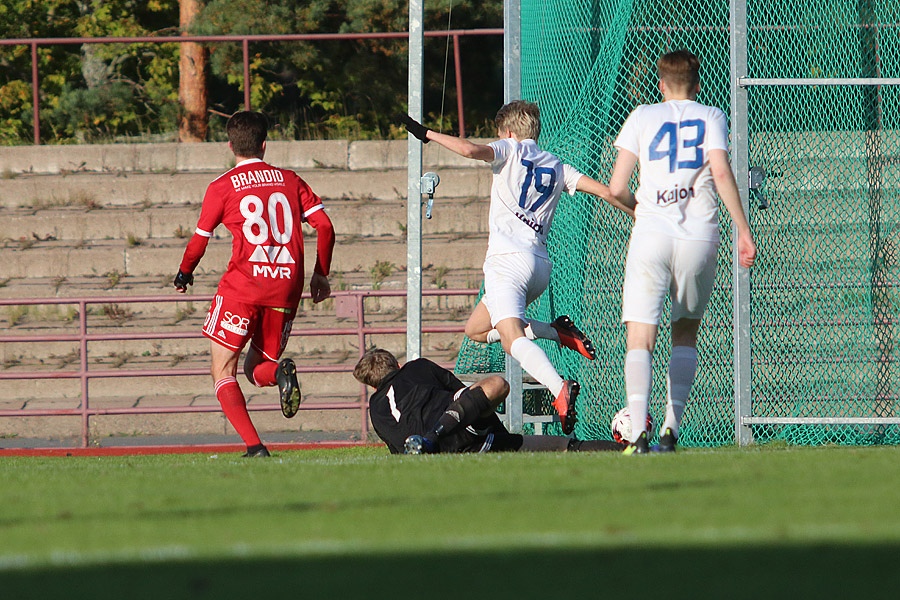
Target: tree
<point x="192" y="89"/>
<point x="27" y="19"/>
<point x="104" y="92"/>
<point x="349" y="89"/>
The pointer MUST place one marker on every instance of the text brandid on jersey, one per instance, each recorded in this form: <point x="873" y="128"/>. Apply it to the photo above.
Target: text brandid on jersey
<point x="248" y="179"/>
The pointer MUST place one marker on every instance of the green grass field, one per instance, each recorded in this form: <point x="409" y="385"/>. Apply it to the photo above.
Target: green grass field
<point x="724" y="523"/>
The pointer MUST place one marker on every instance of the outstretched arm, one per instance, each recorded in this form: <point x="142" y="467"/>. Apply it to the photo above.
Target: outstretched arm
<point x="462" y="146"/>
<point x="595" y="188"/>
<point x="621" y="175"/>
<point x="727" y="188"/>
<point x="459" y="145"/>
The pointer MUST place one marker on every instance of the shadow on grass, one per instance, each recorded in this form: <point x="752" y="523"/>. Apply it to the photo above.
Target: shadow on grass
<point x="727" y="572"/>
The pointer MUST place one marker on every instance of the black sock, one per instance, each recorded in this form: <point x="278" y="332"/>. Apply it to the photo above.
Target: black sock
<point x="593" y="445"/>
<point x="471" y="404"/>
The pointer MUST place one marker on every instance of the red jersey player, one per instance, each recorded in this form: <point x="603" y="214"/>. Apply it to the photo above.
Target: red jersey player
<point x="262" y="206"/>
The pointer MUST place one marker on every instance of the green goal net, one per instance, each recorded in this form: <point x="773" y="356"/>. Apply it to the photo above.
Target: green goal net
<point x="824" y="296"/>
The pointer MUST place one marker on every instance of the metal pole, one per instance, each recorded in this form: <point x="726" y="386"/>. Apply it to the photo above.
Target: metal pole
<point x="512" y="50"/>
<point x="246" y="47"/>
<point x="512" y="90"/>
<point x="35" y="96"/>
<point x="83" y="347"/>
<point x="457" y="64"/>
<point x="413" y="183"/>
<point x="805" y="81"/>
<point x="740" y="155"/>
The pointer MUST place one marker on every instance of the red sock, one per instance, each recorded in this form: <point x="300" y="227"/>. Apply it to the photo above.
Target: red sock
<point x="264" y="373"/>
<point x="235" y="408"/>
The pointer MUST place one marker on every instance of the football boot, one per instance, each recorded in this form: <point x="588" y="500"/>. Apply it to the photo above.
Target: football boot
<point x="666" y="441"/>
<point x="288" y="387"/>
<point x="638" y="446"/>
<point x="565" y="405"/>
<point x="417" y="444"/>
<point x="571" y="337"/>
<point x="256" y="452"/>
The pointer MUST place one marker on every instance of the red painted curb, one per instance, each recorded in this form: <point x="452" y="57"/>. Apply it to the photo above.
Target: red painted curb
<point x="148" y="450"/>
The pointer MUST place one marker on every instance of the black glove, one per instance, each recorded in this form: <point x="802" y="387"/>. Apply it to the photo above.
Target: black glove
<point x="414" y="127"/>
<point x="182" y="280"/>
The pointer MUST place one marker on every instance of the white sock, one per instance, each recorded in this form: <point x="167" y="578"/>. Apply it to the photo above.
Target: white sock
<point x="538" y="330"/>
<point x="536" y="363"/>
<point x="682" y="370"/>
<point x="638" y="378"/>
<point x="493" y="336"/>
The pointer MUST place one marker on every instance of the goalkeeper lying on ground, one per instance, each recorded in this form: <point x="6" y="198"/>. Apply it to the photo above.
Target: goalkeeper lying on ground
<point x="422" y="408"/>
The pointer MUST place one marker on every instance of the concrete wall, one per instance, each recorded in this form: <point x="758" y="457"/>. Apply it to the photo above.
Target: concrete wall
<point x="215" y="156"/>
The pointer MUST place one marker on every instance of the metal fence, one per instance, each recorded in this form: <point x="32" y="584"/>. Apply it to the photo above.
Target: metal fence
<point x="349" y="304"/>
<point x="803" y="347"/>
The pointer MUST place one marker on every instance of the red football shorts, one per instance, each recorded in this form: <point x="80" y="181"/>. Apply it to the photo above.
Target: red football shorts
<point x="231" y="324"/>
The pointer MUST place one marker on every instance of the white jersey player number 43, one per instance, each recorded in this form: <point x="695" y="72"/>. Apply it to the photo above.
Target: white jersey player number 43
<point x="665" y="144"/>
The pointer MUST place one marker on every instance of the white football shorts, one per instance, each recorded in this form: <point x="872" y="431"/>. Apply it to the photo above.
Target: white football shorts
<point x="658" y="264"/>
<point x="512" y="282"/>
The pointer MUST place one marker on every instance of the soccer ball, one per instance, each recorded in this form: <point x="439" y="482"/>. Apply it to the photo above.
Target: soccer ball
<point x="621" y="426"/>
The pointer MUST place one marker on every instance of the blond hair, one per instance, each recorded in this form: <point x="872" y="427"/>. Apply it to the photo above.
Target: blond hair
<point x="374" y="366"/>
<point x="680" y="70"/>
<point x="521" y="118"/>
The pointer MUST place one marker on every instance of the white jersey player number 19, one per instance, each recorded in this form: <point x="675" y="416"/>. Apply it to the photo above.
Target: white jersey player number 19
<point x="536" y="176"/>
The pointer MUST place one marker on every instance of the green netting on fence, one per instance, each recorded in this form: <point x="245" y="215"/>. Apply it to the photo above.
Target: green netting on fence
<point x="824" y="299"/>
<point x="824" y="293"/>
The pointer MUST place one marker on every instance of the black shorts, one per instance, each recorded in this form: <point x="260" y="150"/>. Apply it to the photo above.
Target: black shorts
<point x="487" y="434"/>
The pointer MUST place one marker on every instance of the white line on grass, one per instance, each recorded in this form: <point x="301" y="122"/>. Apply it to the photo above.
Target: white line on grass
<point x="699" y="537"/>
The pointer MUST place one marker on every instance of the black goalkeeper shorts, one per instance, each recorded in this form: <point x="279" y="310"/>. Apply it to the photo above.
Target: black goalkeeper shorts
<point x="487" y="434"/>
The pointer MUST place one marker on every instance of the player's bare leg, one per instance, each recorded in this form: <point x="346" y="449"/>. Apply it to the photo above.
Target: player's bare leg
<point x="682" y="370"/>
<point x="640" y="341"/>
<point x="224" y="362"/>
<point x="495" y="388"/>
<point x="479" y="324"/>
<point x="228" y="392"/>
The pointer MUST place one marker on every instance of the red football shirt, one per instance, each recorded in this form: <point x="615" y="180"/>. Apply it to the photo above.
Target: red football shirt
<point x="262" y="206"/>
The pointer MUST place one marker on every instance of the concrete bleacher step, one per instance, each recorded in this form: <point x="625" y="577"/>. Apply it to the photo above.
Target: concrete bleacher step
<point x="357" y="217"/>
<point x="205" y="282"/>
<point x="98" y="190"/>
<point x="60" y="258"/>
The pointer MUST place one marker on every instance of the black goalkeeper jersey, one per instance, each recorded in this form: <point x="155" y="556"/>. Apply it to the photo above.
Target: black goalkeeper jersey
<point x="410" y="401"/>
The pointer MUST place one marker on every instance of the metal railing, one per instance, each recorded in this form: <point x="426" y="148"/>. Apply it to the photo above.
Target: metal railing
<point x="349" y="304"/>
<point x="245" y="40"/>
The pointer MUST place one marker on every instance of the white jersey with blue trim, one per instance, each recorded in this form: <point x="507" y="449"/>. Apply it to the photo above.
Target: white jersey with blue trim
<point x="672" y="141"/>
<point x="525" y="190"/>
